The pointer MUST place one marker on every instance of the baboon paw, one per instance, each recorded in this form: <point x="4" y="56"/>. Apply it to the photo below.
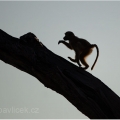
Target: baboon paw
<point x="69" y="58"/>
<point x="79" y="65"/>
<point x="86" y="67"/>
<point x="60" y="41"/>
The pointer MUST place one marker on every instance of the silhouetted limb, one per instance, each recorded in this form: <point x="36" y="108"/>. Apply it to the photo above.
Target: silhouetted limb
<point x="86" y="92"/>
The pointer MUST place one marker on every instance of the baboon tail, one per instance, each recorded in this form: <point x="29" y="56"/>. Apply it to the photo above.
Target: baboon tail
<point x="94" y="45"/>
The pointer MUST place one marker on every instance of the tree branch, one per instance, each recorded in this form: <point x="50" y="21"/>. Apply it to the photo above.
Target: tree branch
<point x="86" y="92"/>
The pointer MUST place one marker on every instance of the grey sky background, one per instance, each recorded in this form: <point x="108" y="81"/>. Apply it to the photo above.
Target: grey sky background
<point x="98" y="22"/>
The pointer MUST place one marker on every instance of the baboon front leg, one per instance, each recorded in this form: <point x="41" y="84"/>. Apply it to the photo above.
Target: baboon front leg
<point x="76" y="60"/>
<point x="77" y="57"/>
<point x="73" y="60"/>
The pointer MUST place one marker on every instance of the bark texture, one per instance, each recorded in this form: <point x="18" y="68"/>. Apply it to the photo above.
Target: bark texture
<point x="86" y="92"/>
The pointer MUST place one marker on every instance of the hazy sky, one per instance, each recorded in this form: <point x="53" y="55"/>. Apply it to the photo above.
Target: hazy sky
<point x="98" y="22"/>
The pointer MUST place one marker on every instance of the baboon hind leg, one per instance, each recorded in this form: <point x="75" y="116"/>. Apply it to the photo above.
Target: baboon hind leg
<point x="83" y="57"/>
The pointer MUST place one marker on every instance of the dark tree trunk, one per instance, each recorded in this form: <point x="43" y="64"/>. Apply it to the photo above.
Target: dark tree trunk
<point x="86" y="92"/>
